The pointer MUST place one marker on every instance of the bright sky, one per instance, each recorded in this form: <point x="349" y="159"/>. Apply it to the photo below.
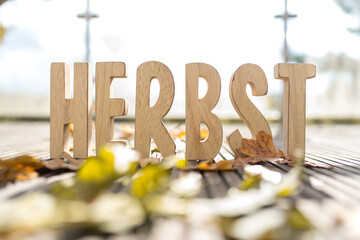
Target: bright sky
<point x="224" y="34"/>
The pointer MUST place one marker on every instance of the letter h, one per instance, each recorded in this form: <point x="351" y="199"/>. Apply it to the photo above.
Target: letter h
<point x="65" y="110"/>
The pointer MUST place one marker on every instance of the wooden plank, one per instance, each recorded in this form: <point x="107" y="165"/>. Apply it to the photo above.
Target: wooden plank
<point x="343" y="159"/>
<point x="216" y="185"/>
<point x="307" y="192"/>
<point x="344" y="166"/>
<point x="231" y="178"/>
<point x="340" y="183"/>
<point x="205" y="188"/>
<point x="330" y="186"/>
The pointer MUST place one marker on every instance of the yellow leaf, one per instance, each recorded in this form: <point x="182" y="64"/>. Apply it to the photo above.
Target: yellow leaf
<point x="181" y="163"/>
<point x="92" y="171"/>
<point x="71" y="129"/>
<point x="218" y="166"/>
<point x="181" y="134"/>
<point x="99" y="169"/>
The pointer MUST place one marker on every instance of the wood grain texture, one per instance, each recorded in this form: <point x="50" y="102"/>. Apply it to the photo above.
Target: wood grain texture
<point x="294" y="76"/>
<point x="82" y="110"/>
<point x="64" y="110"/>
<point x="254" y="76"/>
<point x="106" y="107"/>
<point x="148" y="120"/>
<point x="199" y="110"/>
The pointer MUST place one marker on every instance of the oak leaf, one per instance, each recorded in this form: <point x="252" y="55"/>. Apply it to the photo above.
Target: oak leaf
<point x="261" y="150"/>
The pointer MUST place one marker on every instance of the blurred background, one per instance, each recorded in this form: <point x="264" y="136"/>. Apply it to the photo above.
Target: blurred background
<point x="224" y="34"/>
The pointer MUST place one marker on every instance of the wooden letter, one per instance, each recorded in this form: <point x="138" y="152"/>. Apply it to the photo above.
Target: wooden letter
<point x="199" y="110"/>
<point x="294" y="104"/>
<point x="107" y="108"/>
<point x="148" y="120"/>
<point x="64" y="110"/>
<point x="254" y="76"/>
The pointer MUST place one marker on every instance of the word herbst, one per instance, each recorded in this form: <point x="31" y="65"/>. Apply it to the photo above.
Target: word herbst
<point x="148" y="120"/>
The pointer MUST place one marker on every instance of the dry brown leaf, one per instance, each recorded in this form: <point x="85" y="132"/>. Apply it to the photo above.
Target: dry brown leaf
<point x="316" y="164"/>
<point x="18" y="173"/>
<point x="263" y="149"/>
<point x="19" y="169"/>
<point x="59" y="162"/>
<point x="222" y="165"/>
<point x="24" y="167"/>
<point x="146" y="161"/>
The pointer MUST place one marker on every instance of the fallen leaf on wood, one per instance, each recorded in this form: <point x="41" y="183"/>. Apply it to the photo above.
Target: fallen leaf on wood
<point x="222" y="165"/>
<point x="146" y="161"/>
<point x="19" y="169"/>
<point x="316" y="164"/>
<point x="61" y="162"/>
<point x="263" y="149"/>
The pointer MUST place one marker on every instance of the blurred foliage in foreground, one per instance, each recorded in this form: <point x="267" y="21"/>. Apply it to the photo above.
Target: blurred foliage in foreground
<point x="112" y="194"/>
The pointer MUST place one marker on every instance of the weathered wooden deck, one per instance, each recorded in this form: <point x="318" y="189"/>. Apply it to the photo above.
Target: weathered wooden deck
<point x="334" y="145"/>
